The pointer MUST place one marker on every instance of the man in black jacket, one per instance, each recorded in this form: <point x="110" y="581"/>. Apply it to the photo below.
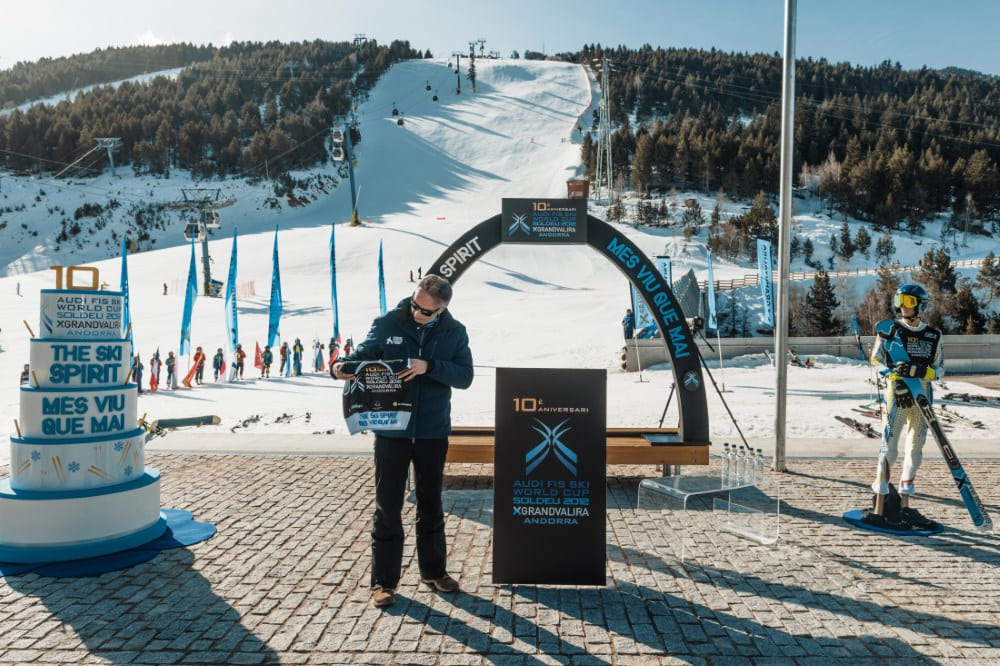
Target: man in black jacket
<point x="421" y="330"/>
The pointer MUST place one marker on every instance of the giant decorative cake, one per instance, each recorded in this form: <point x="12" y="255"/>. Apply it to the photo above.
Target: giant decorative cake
<point x="78" y="483"/>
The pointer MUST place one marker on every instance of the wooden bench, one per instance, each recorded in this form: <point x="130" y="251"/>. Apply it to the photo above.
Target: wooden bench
<point x="626" y="446"/>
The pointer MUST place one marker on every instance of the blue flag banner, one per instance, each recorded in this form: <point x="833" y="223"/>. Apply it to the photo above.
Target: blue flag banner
<point x="381" y="281"/>
<point x="663" y="264"/>
<point x="274" y="312"/>
<point x="764" y="277"/>
<point x="645" y="326"/>
<point x="190" y="293"/>
<point x="126" y="310"/>
<point x="333" y="285"/>
<point x="712" y="324"/>
<point x="232" y="329"/>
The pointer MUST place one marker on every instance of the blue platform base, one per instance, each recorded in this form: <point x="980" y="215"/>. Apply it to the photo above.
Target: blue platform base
<point x="854" y="518"/>
<point x="179" y="529"/>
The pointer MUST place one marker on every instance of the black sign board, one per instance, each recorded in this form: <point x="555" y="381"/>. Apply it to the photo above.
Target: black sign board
<point x="549" y="497"/>
<point x="544" y="221"/>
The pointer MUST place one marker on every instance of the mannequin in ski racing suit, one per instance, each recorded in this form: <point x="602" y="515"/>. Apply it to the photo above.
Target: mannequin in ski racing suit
<point x="923" y="345"/>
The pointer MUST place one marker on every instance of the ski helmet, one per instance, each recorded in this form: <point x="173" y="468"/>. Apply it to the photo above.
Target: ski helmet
<point x="911" y="296"/>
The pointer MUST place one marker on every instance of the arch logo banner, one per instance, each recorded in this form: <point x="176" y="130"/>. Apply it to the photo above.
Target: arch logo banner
<point x="544" y="221"/>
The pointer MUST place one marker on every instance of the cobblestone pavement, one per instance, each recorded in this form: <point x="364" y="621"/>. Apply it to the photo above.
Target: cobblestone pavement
<point x="285" y="581"/>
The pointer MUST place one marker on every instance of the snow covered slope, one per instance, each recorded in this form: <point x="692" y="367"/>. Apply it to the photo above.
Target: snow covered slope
<point x="421" y="186"/>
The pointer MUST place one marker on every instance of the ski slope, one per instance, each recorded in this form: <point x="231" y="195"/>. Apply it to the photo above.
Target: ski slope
<point x="421" y="185"/>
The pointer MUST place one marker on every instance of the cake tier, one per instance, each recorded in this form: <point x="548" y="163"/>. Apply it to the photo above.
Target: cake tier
<point x="76" y="464"/>
<point x="81" y="315"/>
<point x="54" y="526"/>
<point x="57" y="363"/>
<point x="65" y="413"/>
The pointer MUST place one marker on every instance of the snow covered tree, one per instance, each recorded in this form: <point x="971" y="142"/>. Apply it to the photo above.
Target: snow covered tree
<point x="819" y="311"/>
<point x="878" y="301"/>
<point x="968" y="316"/>
<point x="863" y="241"/>
<point x="471" y="75"/>
<point x="988" y="278"/>
<point x="642" y="164"/>
<point x="846" y="242"/>
<point x="884" y="247"/>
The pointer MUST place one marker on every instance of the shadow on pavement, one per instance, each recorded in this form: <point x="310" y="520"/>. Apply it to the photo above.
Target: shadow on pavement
<point x="164" y="602"/>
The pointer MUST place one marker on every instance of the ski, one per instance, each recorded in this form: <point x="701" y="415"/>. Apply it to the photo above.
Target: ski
<point x="954" y="417"/>
<point x="864" y="428"/>
<point x="186" y="422"/>
<point x="991" y="400"/>
<point x="896" y="352"/>
<point x="870" y="413"/>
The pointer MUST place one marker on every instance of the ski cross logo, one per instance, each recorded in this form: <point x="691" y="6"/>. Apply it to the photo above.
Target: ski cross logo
<point x="551" y="444"/>
<point x="356" y="385"/>
<point x="520" y="223"/>
<point x="691" y="382"/>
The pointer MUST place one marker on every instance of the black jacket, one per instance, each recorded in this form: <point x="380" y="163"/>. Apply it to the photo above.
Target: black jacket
<point x="444" y="344"/>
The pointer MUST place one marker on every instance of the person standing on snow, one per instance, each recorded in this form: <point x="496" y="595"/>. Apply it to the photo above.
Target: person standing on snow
<point x="137" y="371"/>
<point x="217" y="362"/>
<point x="283" y="354"/>
<point x="628" y="324"/>
<point x="923" y="345"/>
<point x="199" y="364"/>
<point x="297" y="350"/>
<point x="240" y="359"/>
<point x="266" y="358"/>
<point x="171" y="364"/>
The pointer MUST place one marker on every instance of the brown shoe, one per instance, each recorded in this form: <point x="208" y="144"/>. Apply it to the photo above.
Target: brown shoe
<point x="384" y="597"/>
<point x="443" y="584"/>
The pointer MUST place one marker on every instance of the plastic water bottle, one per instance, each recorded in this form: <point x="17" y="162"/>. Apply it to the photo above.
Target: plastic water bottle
<point x="741" y="466"/>
<point x="725" y="464"/>
<point x="759" y="467"/>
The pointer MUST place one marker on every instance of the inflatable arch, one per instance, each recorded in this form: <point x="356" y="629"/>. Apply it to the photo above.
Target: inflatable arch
<point x="565" y="221"/>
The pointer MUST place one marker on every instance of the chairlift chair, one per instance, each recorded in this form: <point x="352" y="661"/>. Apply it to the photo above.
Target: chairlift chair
<point x="193" y="231"/>
<point x="338" y="154"/>
<point x="428" y="86"/>
<point x="337" y="136"/>
<point x="399" y="122"/>
<point x="395" y="111"/>
<point x="211" y="219"/>
<point x="435" y="97"/>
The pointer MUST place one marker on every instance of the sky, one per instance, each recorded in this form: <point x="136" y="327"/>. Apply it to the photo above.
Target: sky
<point x="865" y="32"/>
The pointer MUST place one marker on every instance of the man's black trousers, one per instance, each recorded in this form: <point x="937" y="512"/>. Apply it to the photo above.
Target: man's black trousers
<point x="392" y="461"/>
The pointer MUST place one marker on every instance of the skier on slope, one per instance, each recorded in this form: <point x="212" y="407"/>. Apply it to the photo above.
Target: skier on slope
<point x="923" y="344"/>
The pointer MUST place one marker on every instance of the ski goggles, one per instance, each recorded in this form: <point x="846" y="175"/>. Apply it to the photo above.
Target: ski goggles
<point x="424" y="311"/>
<point x="905" y="301"/>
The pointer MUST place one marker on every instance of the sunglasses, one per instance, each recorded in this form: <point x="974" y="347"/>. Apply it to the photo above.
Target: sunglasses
<point x="905" y="301"/>
<point x="424" y="311"/>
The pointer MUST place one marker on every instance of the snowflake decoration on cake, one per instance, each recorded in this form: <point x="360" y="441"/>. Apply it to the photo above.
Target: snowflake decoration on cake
<point x="36" y="456"/>
<point x="73" y="466"/>
<point x="119" y="445"/>
<point x="128" y="471"/>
